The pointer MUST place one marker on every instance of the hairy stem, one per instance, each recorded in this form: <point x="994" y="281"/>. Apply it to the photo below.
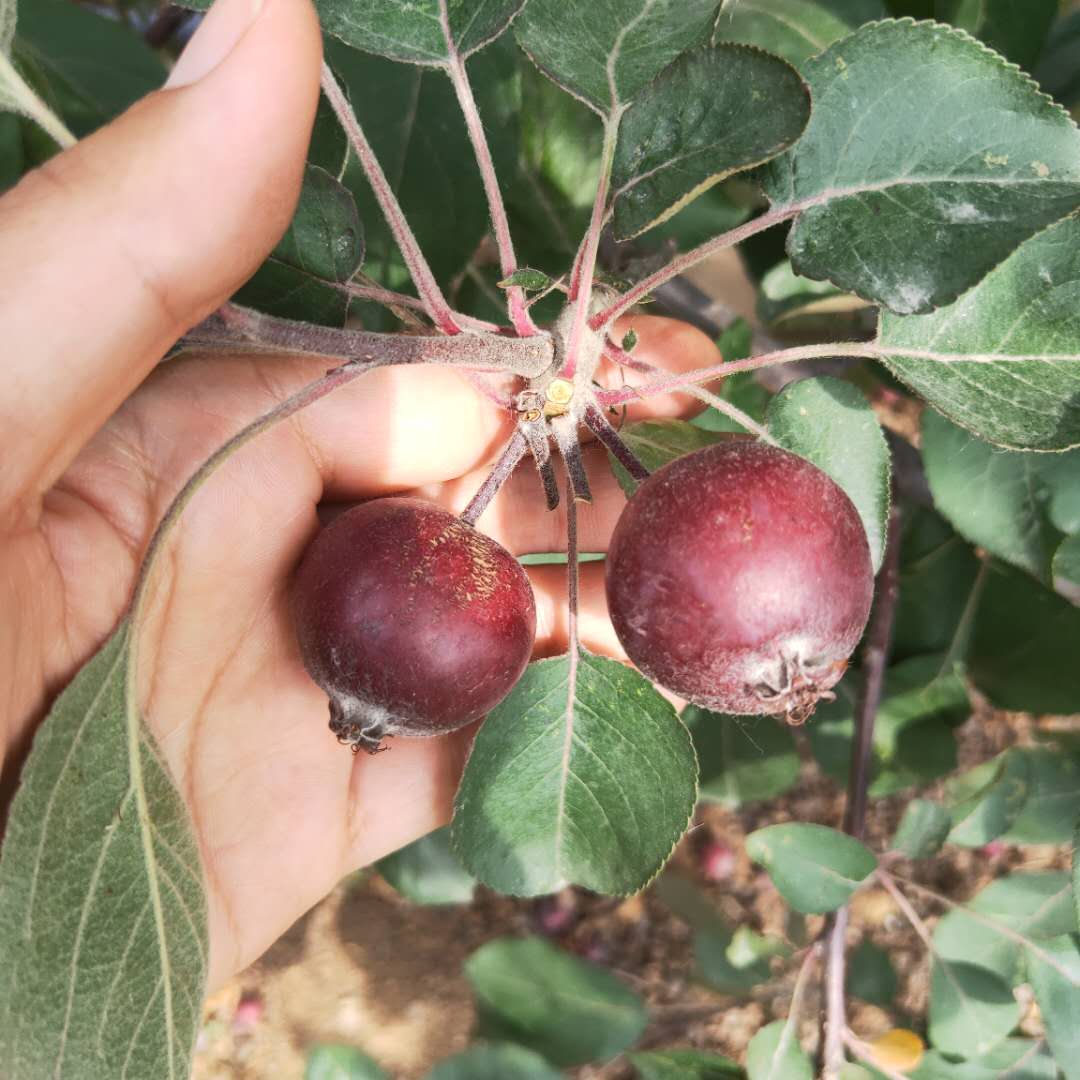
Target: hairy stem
<point x="504" y="466"/>
<point x="598" y="424"/>
<point x="573" y="573"/>
<point x="400" y="304"/>
<point x="432" y="296"/>
<point x="238" y="329"/>
<point x="564" y="428"/>
<point x="683" y="262"/>
<point x="536" y="431"/>
<point x="875" y="658"/>
<point x="455" y="68"/>
<point x="584" y="267"/>
<point x="22" y="99"/>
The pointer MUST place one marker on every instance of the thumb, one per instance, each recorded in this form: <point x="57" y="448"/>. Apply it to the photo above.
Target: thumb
<point x="117" y="246"/>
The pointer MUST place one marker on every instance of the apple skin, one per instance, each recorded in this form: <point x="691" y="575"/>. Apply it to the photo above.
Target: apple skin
<point x="413" y="622"/>
<point x="739" y="577"/>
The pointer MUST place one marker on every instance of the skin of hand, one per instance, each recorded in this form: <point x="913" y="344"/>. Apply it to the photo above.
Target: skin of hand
<point x="108" y="253"/>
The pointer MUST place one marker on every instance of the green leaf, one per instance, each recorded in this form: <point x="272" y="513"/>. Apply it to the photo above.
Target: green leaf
<point x="96" y="67"/>
<point x="722" y="960"/>
<point x="922" y="700"/>
<point x="830" y="423"/>
<point x="986" y="800"/>
<point x="1058" y="70"/>
<point x="9" y="13"/>
<point x="1015" y="28"/>
<point x="607" y="53"/>
<point x="341" y="1063"/>
<point x="1057" y="992"/>
<point x="656" y="442"/>
<point x="774" y="1053"/>
<point x="785" y="294"/>
<point x="684" y="1065"/>
<point x="494" y="1062"/>
<point x="971" y="1009"/>
<point x="1066" y="566"/>
<point x="102" y="928"/>
<point x="583" y="775"/>
<point x="815" y="868"/>
<point x="1053" y="801"/>
<point x="742" y="758"/>
<point x="428" y="872"/>
<point x="794" y="29"/>
<point x="527" y="278"/>
<point x="934" y="206"/>
<point x="871" y="976"/>
<point x="412" y="31"/>
<point x="1024" y="644"/>
<point x="1011" y="1059"/>
<point x="1004" y="360"/>
<point x="922" y="829"/>
<point x="530" y="992"/>
<point x="1035" y="906"/>
<point x="1004" y="501"/>
<point x="711" y="113"/>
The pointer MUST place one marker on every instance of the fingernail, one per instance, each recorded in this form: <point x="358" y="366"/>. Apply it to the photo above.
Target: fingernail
<point x="217" y="36"/>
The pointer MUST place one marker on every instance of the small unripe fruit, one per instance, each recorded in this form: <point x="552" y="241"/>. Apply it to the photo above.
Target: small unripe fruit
<point x="739" y="577"/>
<point x="413" y="622"/>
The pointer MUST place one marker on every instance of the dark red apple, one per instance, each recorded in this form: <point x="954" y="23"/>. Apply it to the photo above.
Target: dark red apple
<point x="413" y="622"/>
<point x="739" y="577"/>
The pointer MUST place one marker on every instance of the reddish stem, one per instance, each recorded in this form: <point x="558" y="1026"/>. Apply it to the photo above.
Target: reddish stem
<point x="507" y="462"/>
<point x="598" y="424"/>
<point x="432" y="296"/>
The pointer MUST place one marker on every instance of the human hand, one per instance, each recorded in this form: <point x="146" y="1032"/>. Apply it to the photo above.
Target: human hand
<point x="109" y="253"/>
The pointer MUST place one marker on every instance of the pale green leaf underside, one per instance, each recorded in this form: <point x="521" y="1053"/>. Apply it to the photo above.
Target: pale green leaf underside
<point x="815" y="868"/>
<point x="656" y="442"/>
<point x="794" y="29"/>
<point x="774" y="1053"/>
<point x="1028" y="308"/>
<point x="713" y="112"/>
<point x="606" y="51"/>
<point x="102" y="927"/>
<point x="1057" y="993"/>
<point x="922" y="829"/>
<point x="412" y="30"/>
<point x="583" y="777"/>
<point x="829" y="422"/>
<point x="971" y="1009"/>
<point x="926" y="161"/>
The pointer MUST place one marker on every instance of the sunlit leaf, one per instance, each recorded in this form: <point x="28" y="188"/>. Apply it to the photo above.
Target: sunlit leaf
<point x="971" y="1009"/>
<point x="774" y="1053"/>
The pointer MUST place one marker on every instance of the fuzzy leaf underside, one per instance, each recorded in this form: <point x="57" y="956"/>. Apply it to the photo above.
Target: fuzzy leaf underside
<point x="102" y="926"/>
<point x="898" y="207"/>
<point x="1028" y="306"/>
<point x="607" y="51"/>
<point x="582" y="777"/>
<point x="711" y="113"/>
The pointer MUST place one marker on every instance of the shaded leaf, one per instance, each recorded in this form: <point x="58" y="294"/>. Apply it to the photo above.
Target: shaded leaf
<point x="971" y="1009"/>
<point x="830" y="423"/>
<point x="870" y="975"/>
<point x="583" y="775"/>
<point x="1015" y="28"/>
<point x="1023" y="312"/>
<point x="1053" y="801"/>
<point x="341" y="1063"/>
<point x="1066" y="565"/>
<point x="1057" y="993"/>
<point x="684" y="1065"/>
<point x="120" y="899"/>
<point x="784" y="294"/>
<point x="1004" y="501"/>
<point x="413" y="31"/>
<point x="325" y="238"/>
<point x="656" y="442"/>
<point x="532" y="993"/>
<point x="794" y="29"/>
<point x="606" y="53"/>
<point x="815" y="868"/>
<point x="1058" y="70"/>
<point x="933" y="206"/>
<point x="742" y="758"/>
<point x="922" y="829"/>
<point x="1011" y="1059"/>
<point x="774" y="1053"/>
<point x="986" y="800"/>
<point x="428" y="872"/>
<point x="711" y="113"/>
<point x="494" y="1062"/>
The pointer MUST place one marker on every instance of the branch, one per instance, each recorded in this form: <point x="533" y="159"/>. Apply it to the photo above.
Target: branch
<point x="875" y="657"/>
<point x="585" y="265"/>
<point x="455" y="68"/>
<point x="434" y="302"/>
<point x="504" y="466"/>
<point x="683" y="262"/>
<point x="236" y="328"/>
<point x="598" y="424"/>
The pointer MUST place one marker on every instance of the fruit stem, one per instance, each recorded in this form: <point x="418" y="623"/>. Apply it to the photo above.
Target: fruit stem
<point x="432" y="296"/>
<point x="598" y="424"/>
<point x="507" y="461"/>
<point x="564" y="428"/>
<point x="875" y="657"/>
<point x="691" y="258"/>
<point x="536" y="432"/>
<point x="235" y="329"/>
<point x="572" y="576"/>
<point x="455" y="68"/>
